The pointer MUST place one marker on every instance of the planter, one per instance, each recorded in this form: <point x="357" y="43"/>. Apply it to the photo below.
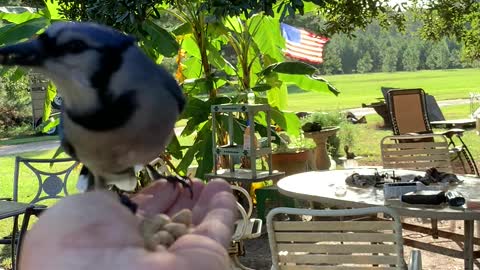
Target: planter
<point x="322" y="161"/>
<point x="290" y="163"/>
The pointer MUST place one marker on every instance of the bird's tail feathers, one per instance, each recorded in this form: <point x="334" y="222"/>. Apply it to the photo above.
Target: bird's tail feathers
<point x="85" y="180"/>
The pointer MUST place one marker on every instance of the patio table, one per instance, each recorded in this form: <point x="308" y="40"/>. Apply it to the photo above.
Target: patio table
<point x="327" y="187"/>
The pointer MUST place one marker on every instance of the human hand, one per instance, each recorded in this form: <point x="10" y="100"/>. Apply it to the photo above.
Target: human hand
<point x="94" y="231"/>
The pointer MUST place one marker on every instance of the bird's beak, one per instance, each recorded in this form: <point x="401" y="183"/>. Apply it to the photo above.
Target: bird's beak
<point x="28" y="53"/>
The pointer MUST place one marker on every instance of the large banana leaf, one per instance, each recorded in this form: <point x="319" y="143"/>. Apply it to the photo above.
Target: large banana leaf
<point x="193" y="68"/>
<point x="267" y="36"/>
<point x="49" y="96"/>
<point x="13" y="33"/>
<point x="19" y="18"/>
<point x="300" y="74"/>
<point x="191" y="47"/>
<point x="288" y="121"/>
<point x="289" y="67"/>
<point x="160" y="39"/>
<point x="278" y="96"/>
<point x="309" y="83"/>
<point x="52" y="10"/>
<point x="174" y="148"/>
<point x="204" y="156"/>
<point x="201" y="150"/>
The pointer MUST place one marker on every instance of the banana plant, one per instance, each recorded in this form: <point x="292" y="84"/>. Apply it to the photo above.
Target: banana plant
<point x="23" y="25"/>
<point x="259" y="65"/>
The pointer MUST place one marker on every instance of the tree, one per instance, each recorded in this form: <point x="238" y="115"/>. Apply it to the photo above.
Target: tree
<point x="389" y="63"/>
<point x="365" y="63"/>
<point x="411" y="57"/>
<point x="438" y="58"/>
<point x="455" y="59"/>
<point x="332" y="63"/>
<point x="452" y="18"/>
<point x="349" y="57"/>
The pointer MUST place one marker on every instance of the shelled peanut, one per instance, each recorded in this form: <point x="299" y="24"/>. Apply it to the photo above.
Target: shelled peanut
<point x="164" y="230"/>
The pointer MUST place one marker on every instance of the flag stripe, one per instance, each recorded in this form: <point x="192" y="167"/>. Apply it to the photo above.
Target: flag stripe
<point x="305" y="50"/>
<point x="303" y="45"/>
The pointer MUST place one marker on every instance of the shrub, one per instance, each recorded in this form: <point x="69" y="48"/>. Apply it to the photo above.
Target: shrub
<point x="15" y="102"/>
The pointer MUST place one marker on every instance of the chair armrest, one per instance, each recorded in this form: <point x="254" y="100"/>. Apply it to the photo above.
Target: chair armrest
<point x="415" y="260"/>
<point x="453" y="131"/>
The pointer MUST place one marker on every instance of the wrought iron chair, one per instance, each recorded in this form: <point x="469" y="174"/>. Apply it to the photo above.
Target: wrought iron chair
<point x="409" y="115"/>
<point x="338" y="243"/>
<point x="52" y="184"/>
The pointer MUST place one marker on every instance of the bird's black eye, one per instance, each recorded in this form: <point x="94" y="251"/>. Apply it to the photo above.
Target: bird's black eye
<point x="75" y="46"/>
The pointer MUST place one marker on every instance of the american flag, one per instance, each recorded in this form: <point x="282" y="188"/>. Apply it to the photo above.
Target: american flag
<point x="303" y="45"/>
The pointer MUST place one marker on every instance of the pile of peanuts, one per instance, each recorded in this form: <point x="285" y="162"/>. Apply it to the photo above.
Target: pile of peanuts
<point x="164" y="230"/>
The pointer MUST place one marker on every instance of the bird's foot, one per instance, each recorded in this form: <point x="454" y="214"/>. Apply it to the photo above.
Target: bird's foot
<point x="185" y="181"/>
<point x="125" y="200"/>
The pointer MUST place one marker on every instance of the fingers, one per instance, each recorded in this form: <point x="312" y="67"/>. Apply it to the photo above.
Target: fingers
<point x="213" y="205"/>
<point x="185" y="198"/>
<point x="158" y="197"/>
<point x="215" y="212"/>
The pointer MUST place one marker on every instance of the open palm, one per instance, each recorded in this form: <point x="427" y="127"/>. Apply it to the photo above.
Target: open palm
<point x="94" y="231"/>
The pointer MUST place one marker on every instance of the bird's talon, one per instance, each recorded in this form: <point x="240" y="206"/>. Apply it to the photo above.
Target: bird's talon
<point x="125" y="200"/>
<point x="185" y="181"/>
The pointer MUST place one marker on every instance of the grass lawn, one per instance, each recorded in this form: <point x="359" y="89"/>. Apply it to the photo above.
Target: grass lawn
<point x="365" y="88"/>
<point x="27" y="139"/>
<point x="372" y="132"/>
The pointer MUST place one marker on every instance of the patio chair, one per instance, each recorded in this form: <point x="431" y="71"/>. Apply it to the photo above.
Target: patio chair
<point x="408" y="113"/>
<point x="51" y="184"/>
<point x="245" y="228"/>
<point x="416" y="152"/>
<point x="337" y="244"/>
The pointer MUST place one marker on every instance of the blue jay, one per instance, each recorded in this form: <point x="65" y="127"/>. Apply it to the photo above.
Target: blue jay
<point x="119" y="107"/>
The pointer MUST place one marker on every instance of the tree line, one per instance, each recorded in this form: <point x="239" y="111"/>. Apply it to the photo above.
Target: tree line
<point x="375" y="49"/>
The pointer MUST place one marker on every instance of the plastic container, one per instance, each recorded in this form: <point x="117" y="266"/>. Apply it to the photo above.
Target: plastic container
<point x="251" y="97"/>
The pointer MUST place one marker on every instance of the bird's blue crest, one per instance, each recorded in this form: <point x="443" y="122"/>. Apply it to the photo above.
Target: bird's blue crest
<point x="102" y="34"/>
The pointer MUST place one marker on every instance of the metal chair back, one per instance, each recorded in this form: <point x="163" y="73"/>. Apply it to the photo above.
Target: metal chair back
<point x="51" y="176"/>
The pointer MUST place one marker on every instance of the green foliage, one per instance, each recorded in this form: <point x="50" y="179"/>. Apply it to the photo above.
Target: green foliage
<point x="15" y="108"/>
<point x="452" y="18"/>
<point x="411" y="58"/>
<point x="292" y="144"/>
<point x="439" y="56"/>
<point x="138" y="18"/>
<point x="389" y="63"/>
<point x="325" y="119"/>
<point x="345" y="136"/>
<point x="365" y="63"/>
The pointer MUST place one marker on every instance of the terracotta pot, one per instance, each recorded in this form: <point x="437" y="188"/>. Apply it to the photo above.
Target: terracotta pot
<point x="290" y="163"/>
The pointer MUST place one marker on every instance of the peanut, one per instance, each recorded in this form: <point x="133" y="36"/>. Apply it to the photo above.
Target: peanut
<point x="162" y="231"/>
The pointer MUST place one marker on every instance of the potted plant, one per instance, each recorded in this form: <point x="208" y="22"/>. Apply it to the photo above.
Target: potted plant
<point x="294" y="154"/>
<point x="322" y="128"/>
